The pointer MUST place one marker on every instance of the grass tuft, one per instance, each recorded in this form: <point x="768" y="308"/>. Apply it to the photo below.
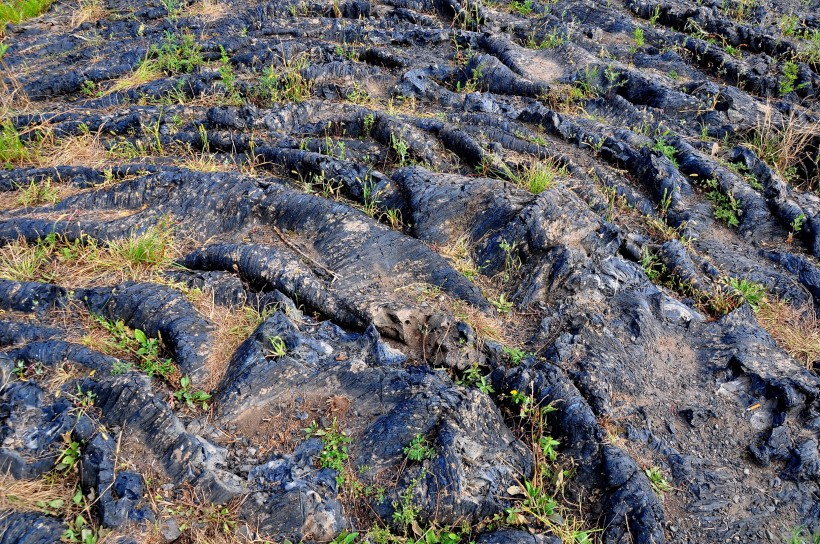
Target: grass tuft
<point x="794" y="329"/>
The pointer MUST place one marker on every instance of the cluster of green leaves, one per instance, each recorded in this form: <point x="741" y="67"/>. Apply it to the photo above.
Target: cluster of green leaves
<point x="401" y="148"/>
<point x="657" y="479"/>
<point x="334" y="453"/>
<point x="474" y="378"/>
<point x="419" y="449"/>
<point x="177" y="54"/>
<point x="790" y="73"/>
<point x="515" y="355"/>
<point x="190" y="397"/>
<point x="81" y="531"/>
<point x="540" y="505"/>
<point x="666" y="150"/>
<point x="502" y="305"/>
<point x="523" y="7"/>
<point x="69" y="456"/>
<point x="137" y="343"/>
<point x="552" y="39"/>
<point x="726" y="207"/>
<point x="25" y="370"/>
<point x="228" y="77"/>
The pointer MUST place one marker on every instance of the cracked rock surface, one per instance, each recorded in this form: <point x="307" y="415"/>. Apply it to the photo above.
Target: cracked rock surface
<point x="252" y="251"/>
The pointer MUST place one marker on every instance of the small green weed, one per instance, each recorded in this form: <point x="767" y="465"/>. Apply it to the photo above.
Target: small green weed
<point x="521" y="7"/>
<point x="334" y="454"/>
<point x="12" y="149"/>
<point x="191" y="398"/>
<point x="277" y="348"/>
<point x="657" y="479"/>
<point x="177" y="54"/>
<point x="474" y="378"/>
<point x="419" y="449"/>
<point x="502" y="305"/>
<point x="666" y="150"/>
<point x="639" y="38"/>
<point x="515" y="355"/>
<point x="752" y="292"/>
<point x="542" y="176"/>
<point x="787" y="83"/>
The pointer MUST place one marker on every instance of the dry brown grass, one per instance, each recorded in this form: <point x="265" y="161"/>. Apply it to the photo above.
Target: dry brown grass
<point x="784" y="145"/>
<point x="27" y="495"/>
<point x="206" y="162"/>
<point x="88" y="11"/>
<point x="233" y="326"/>
<point x="458" y="254"/>
<point x="485" y="327"/>
<point x="795" y="329"/>
<point x="145" y="72"/>
<point x="210" y="10"/>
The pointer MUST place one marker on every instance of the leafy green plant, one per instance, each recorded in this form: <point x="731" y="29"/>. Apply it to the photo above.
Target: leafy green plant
<point x="136" y="343"/>
<point x="502" y="305"/>
<point x="515" y="355"/>
<point x="88" y="88"/>
<point x="788" y="24"/>
<point x="419" y="449"/>
<point x="228" y="77"/>
<point x="177" y="54"/>
<point x="84" y="399"/>
<point x="790" y="73"/>
<point x="368" y="122"/>
<point x="512" y="262"/>
<point x="657" y="479"/>
<point x="80" y="530"/>
<point x="189" y="397"/>
<point x="639" y="37"/>
<point x="345" y="538"/>
<point x="752" y="292"/>
<point x="554" y="38"/>
<point x="25" y="371"/>
<point x="400" y="147"/>
<point x="334" y="453"/>
<point x="69" y="456"/>
<point x="524" y="7"/>
<point x="548" y="444"/>
<point x="726" y="207"/>
<point x="666" y="150"/>
<point x="474" y="378"/>
<point x="656" y="13"/>
<point x="796" y="226"/>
